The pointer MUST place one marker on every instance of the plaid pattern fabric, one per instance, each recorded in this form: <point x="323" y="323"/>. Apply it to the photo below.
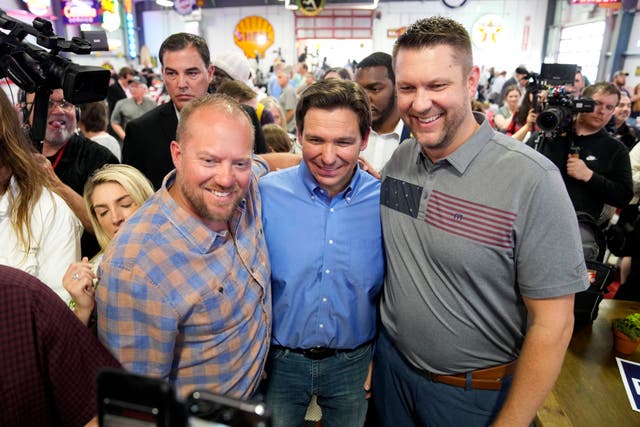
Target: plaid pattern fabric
<point x="181" y="302"/>
<point x="49" y="359"/>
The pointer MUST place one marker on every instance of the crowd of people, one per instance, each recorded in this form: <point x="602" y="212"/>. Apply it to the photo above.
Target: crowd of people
<point x="371" y="233"/>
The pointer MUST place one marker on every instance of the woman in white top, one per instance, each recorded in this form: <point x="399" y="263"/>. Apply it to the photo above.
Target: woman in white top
<point x="111" y="195"/>
<point x="39" y="233"/>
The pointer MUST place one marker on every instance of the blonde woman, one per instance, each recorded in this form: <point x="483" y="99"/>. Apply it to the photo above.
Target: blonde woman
<point x="273" y="106"/>
<point x="39" y="232"/>
<point x="111" y="195"/>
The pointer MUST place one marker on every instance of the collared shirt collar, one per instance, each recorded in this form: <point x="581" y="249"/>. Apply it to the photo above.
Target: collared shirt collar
<point x="397" y="131"/>
<point x="462" y="157"/>
<point x="193" y="230"/>
<point x="314" y="188"/>
<point x="176" y="110"/>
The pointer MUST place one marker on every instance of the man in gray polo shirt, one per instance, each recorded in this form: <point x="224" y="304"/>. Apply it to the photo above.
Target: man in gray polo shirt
<point x="131" y="108"/>
<point x="483" y="253"/>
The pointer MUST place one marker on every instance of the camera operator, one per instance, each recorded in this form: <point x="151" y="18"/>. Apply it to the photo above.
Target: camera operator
<point x="595" y="166"/>
<point x="69" y="158"/>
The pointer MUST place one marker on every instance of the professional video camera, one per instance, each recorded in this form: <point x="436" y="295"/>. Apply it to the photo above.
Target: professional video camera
<point x="36" y="70"/>
<point x="555" y="115"/>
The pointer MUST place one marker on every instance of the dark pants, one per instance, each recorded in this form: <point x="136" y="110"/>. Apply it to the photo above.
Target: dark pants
<point x="404" y="397"/>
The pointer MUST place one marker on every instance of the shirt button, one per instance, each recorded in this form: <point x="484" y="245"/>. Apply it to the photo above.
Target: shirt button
<point x="313" y="197"/>
<point x="327" y="271"/>
<point x="331" y="210"/>
<point x="348" y="199"/>
<point x="321" y="325"/>
<point x="331" y="242"/>
<point x="324" y="300"/>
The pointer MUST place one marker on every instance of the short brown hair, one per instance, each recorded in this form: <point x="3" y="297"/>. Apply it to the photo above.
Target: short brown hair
<point x="94" y="116"/>
<point x="437" y="31"/>
<point x="604" y="87"/>
<point x="335" y="93"/>
<point x="237" y="90"/>
<point x="276" y="138"/>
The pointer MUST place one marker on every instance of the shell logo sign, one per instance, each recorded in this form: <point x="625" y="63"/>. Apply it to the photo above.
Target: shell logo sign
<point x="253" y="34"/>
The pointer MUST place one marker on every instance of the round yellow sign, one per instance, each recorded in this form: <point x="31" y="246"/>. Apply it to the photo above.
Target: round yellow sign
<point x="310" y="7"/>
<point x="253" y="35"/>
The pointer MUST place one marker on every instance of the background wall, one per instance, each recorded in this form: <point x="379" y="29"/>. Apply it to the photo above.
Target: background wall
<point x="519" y="40"/>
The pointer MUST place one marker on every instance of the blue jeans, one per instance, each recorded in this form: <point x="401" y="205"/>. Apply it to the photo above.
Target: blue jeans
<point x="337" y="381"/>
<point x="404" y="397"/>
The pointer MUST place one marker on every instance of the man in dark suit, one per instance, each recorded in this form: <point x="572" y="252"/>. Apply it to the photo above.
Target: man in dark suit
<point x="187" y="72"/>
<point x="118" y="90"/>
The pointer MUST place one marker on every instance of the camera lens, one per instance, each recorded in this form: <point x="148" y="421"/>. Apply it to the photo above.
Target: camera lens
<point x="549" y="119"/>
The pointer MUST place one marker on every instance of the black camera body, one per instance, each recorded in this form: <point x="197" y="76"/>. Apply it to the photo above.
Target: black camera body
<point x="37" y="70"/>
<point x="558" y="110"/>
<point x="556" y="113"/>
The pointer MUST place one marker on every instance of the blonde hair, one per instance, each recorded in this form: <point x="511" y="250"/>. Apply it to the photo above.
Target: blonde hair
<point x="270" y="103"/>
<point x="130" y="178"/>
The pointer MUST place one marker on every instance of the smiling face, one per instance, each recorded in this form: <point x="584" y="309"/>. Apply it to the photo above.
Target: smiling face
<point x="434" y="98"/>
<point x="381" y="93"/>
<point x="213" y="165"/>
<point x="112" y="205"/>
<point x="622" y="110"/>
<point x="331" y="144"/>
<point x="185" y="75"/>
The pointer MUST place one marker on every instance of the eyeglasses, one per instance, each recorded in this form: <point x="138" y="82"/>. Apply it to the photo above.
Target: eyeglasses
<point x="65" y="105"/>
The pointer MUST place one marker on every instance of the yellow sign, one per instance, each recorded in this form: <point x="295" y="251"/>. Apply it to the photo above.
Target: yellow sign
<point x="394" y="33"/>
<point x="253" y="34"/>
<point x="310" y="7"/>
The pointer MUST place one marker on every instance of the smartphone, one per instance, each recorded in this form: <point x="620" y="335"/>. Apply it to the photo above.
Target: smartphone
<point x="131" y="400"/>
<point x="206" y="409"/>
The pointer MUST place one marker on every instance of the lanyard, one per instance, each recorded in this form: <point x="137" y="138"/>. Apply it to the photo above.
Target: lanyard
<point x="59" y="156"/>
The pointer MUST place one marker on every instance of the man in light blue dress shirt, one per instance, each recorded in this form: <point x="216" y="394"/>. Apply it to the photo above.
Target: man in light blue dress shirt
<point x="322" y="226"/>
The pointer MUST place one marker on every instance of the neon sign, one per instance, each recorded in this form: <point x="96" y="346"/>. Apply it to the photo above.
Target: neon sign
<point x="76" y="12"/>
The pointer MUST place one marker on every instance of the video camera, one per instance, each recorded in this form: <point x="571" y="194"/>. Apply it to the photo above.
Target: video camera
<point x="555" y="114"/>
<point x="36" y="70"/>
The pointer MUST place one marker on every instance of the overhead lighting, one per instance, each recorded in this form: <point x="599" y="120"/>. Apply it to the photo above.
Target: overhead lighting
<point x="164" y="3"/>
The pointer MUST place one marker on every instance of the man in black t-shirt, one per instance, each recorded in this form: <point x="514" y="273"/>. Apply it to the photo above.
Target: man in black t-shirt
<point x="69" y="159"/>
<point x="594" y="165"/>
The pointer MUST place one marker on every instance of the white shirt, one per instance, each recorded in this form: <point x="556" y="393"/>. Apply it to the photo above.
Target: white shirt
<point x="634" y="156"/>
<point x="55" y="239"/>
<point x="381" y="146"/>
<point x="109" y="142"/>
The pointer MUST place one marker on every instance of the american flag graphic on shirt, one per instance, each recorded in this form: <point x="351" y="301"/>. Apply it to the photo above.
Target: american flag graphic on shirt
<point x="473" y="221"/>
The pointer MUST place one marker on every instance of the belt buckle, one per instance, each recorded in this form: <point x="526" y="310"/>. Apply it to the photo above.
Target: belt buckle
<point x="317" y="353"/>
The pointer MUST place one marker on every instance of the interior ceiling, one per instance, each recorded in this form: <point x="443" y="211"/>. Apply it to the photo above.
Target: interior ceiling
<point x="240" y="3"/>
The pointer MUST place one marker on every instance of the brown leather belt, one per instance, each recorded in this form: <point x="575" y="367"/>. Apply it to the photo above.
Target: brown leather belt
<point x="481" y="379"/>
